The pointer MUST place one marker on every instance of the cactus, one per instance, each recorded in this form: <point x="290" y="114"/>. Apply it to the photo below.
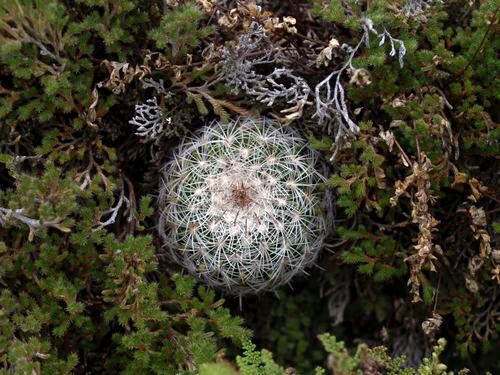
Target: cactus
<point x="239" y="205"/>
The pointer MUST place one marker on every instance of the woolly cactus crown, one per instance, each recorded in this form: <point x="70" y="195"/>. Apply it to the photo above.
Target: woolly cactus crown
<point x="239" y="206"/>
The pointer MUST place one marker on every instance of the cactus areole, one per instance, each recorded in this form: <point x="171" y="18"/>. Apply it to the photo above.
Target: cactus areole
<point x="240" y="207"/>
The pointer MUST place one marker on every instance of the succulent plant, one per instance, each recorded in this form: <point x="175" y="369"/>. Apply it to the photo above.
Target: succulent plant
<point x="240" y="208"/>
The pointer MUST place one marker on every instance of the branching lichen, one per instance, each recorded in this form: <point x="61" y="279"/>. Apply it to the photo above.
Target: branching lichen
<point x="332" y="110"/>
<point x="414" y="8"/>
<point x="150" y="120"/>
<point x="238" y="70"/>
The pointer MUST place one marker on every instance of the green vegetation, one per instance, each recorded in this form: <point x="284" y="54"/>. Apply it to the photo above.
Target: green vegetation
<point x="401" y="100"/>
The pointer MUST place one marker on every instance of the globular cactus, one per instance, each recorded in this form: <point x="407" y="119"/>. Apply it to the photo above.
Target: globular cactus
<point x="240" y="208"/>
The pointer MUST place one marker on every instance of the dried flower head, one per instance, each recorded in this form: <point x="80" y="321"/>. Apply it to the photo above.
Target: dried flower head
<point x="239" y="205"/>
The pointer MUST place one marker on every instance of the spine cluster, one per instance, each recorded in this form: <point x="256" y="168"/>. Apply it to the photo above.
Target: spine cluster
<point x="240" y="207"/>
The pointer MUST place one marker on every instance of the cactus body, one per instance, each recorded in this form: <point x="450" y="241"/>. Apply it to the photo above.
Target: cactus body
<point x="240" y="207"/>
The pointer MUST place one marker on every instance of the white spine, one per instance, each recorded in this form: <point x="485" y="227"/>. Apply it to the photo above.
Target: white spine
<point x="240" y="208"/>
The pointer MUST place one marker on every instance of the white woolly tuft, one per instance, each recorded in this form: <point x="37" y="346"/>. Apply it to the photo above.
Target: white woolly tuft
<point x="240" y="207"/>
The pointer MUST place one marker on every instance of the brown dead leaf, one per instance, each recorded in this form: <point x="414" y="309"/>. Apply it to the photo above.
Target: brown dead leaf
<point x="475" y="264"/>
<point x="496" y="274"/>
<point x="389" y="138"/>
<point x="207" y="5"/>
<point x="360" y="77"/>
<point x="478" y="216"/>
<point x="325" y="56"/>
<point x="477" y="189"/>
<point x="398" y="102"/>
<point x="471" y="284"/>
<point x="495" y="256"/>
<point x="229" y="20"/>
<point x="431" y="325"/>
<point x="273" y="23"/>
